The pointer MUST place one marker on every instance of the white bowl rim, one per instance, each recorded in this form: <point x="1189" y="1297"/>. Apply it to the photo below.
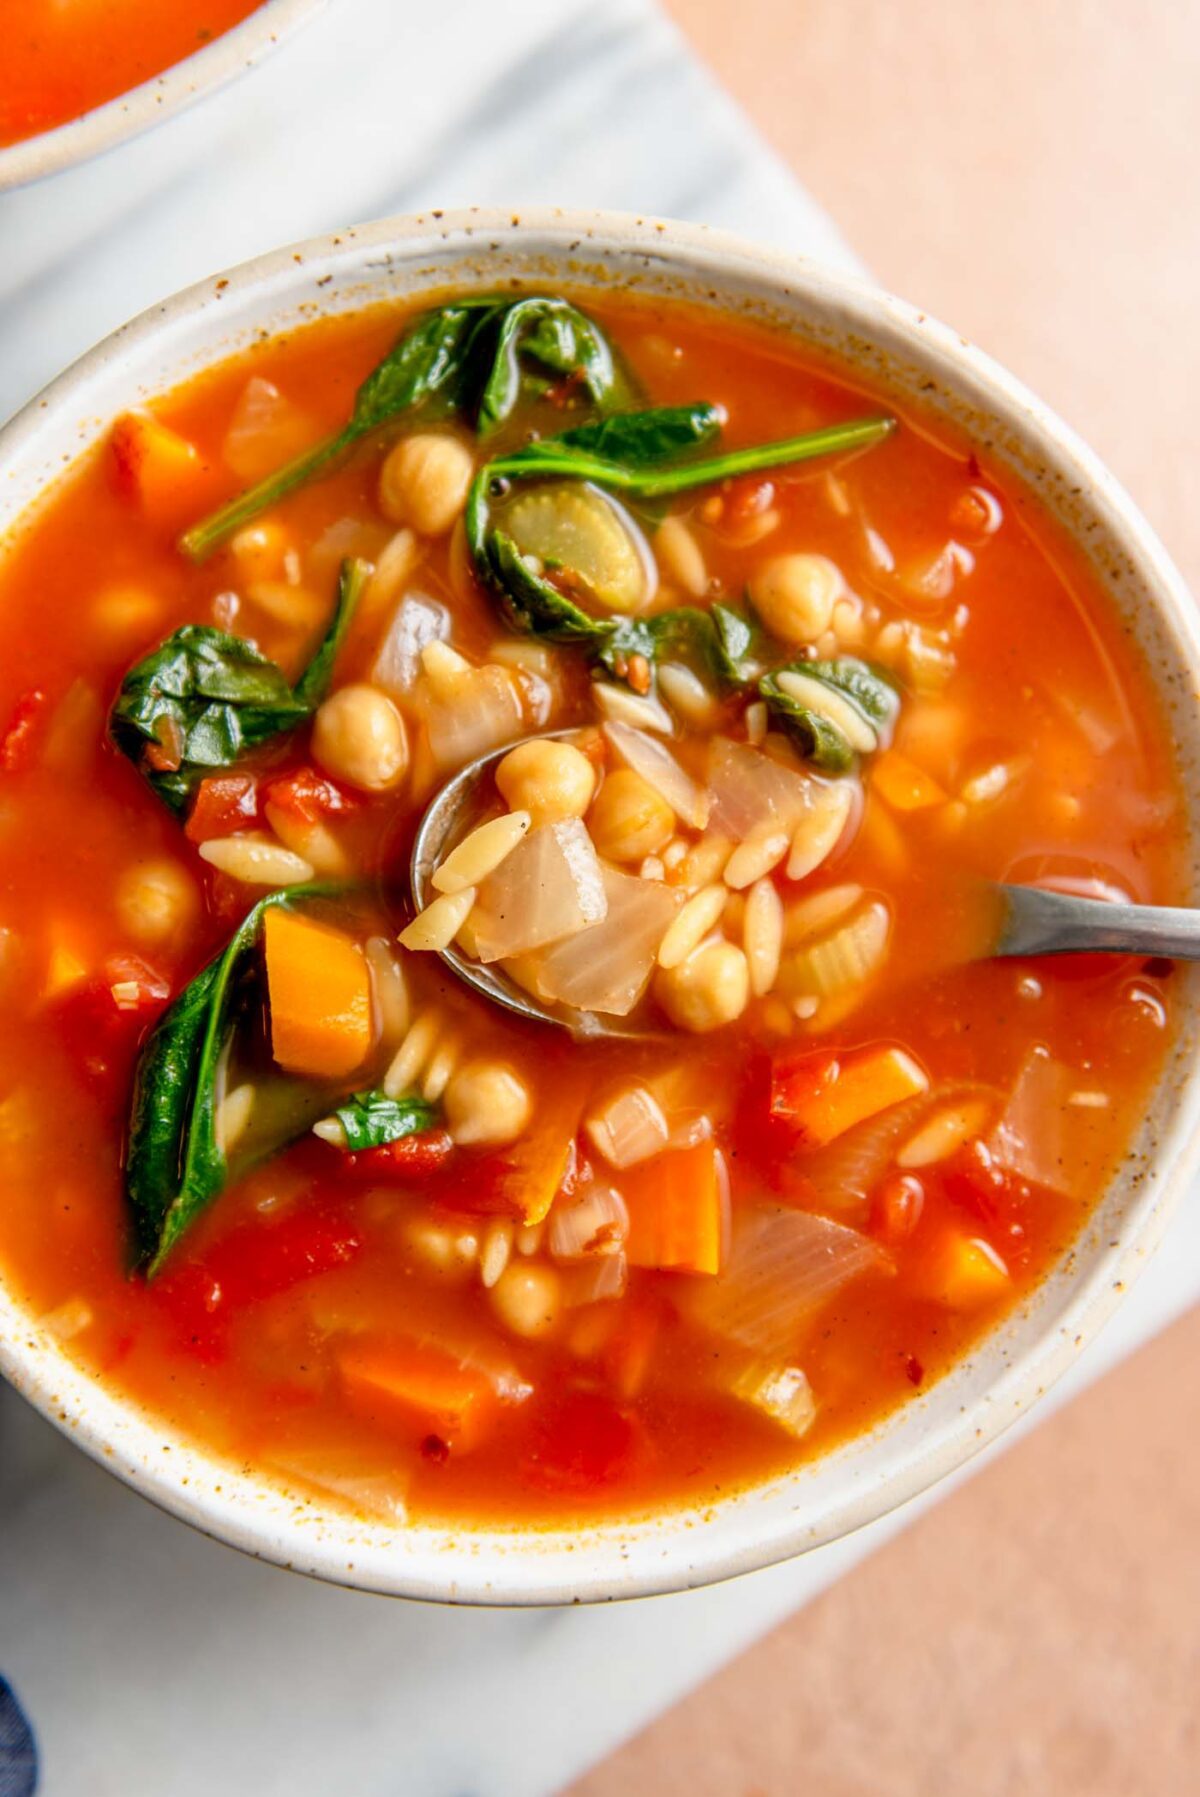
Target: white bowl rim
<point x="681" y="1549"/>
<point x="157" y="98"/>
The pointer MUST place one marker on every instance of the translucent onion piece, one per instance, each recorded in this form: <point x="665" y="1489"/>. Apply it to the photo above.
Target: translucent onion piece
<point x="781" y="1392"/>
<point x="550" y="886"/>
<point x="416" y="621"/>
<point x="630" y="1127"/>
<point x="596" y="1222"/>
<point x="783" y="1266"/>
<point x="843" y="1175"/>
<point x="747" y="788"/>
<point x="659" y="768"/>
<point x="469" y="713"/>
<point x="607" y="967"/>
<point x="588" y="538"/>
<point x="266" y="431"/>
<point x="592" y="1281"/>
<point x="1045" y="1138"/>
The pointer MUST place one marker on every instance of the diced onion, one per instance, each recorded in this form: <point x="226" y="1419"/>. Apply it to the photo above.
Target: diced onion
<point x="1042" y="1136"/>
<point x="416" y="621"/>
<point x="844" y="1175"/>
<point x="607" y="967"/>
<point x="629" y="1128"/>
<point x="595" y="1280"/>
<point x="266" y="431"/>
<point x="659" y="768"/>
<point x="748" y="788"/>
<point x="783" y="1266"/>
<point x="550" y="886"/>
<point x="781" y="1392"/>
<point x="596" y="1222"/>
<point x="467" y="711"/>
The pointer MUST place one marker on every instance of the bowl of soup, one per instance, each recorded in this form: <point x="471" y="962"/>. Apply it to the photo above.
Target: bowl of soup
<point x="775" y="621"/>
<point x="83" y="76"/>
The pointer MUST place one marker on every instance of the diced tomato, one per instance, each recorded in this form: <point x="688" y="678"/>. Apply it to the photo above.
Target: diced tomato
<point x="976" y="1182"/>
<point x="586" y="1442"/>
<point x="20" y="738"/>
<point x="408" y="1159"/>
<point x="307" y="794"/>
<point x="223" y="803"/>
<point x="748" y="497"/>
<point x="253" y="1262"/>
<point x="104" y="1018"/>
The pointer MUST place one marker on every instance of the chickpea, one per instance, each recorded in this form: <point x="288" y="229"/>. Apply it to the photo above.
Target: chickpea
<point x="156" y="900"/>
<point x="424" y="482"/>
<point x="549" y="780"/>
<point x="527" y="1298"/>
<point x="359" y="737"/>
<point x="629" y="820"/>
<point x="487" y="1103"/>
<point x="710" y="989"/>
<point x="794" y="595"/>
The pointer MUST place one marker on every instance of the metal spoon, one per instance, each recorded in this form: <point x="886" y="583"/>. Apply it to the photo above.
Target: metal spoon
<point x="1020" y="920"/>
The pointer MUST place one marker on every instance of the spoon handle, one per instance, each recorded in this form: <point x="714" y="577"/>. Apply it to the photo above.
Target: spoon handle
<point x="1036" y="922"/>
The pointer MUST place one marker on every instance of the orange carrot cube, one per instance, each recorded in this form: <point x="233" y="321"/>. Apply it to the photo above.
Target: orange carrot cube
<point x="319" y="988"/>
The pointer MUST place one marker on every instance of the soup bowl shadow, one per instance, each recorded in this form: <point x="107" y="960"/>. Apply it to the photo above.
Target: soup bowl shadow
<point x="932" y="371"/>
<point x="128" y="114"/>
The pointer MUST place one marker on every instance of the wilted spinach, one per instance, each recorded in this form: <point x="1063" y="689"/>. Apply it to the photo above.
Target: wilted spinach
<point x="371" y="1119"/>
<point x="175" y="1165"/>
<point x="818" y="737"/>
<point x="473" y="359"/>
<point x="203" y="698"/>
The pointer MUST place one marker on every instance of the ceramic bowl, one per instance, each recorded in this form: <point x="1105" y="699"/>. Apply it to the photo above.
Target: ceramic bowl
<point x="135" y="111"/>
<point x="925" y="366"/>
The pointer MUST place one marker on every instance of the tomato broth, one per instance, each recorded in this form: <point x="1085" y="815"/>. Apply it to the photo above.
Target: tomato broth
<point x="521" y="1276"/>
<point x="60" y="60"/>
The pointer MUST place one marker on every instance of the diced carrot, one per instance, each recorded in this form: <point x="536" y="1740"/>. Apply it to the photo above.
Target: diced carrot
<point x="904" y="785"/>
<point x="820" y="1096"/>
<point x="319" y="989"/>
<point x="676" y="1206"/>
<point x="64" y="969"/>
<point x="538" y="1164"/>
<point x="964" y="1271"/>
<point x="223" y="803"/>
<point x="419" y="1385"/>
<point x="157" y="468"/>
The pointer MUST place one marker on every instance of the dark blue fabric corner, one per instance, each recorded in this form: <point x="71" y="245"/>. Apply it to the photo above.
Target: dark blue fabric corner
<point x="18" y="1749"/>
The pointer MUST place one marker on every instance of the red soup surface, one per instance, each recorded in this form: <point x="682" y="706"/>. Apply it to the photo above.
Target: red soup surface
<point x="63" y="57"/>
<point x="276" y="1175"/>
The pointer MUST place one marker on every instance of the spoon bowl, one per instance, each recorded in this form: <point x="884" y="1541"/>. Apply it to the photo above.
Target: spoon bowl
<point x="1008" y="921"/>
<point x="439" y="829"/>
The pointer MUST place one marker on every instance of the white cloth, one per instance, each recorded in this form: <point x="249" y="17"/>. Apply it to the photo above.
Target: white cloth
<point x="153" y="1663"/>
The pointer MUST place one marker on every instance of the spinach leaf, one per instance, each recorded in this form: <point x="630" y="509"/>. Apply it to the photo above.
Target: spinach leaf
<point x="557" y="336"/>
<point x="818" y="736"/>
<point x="425" y="369"/>
<point x="467" y="359"/>
<point x="372" y="1119"/>
<point x="640" y="439"/>
<point x="203" y="698"/>
<point x="645" y="456"/>
<point x="174" y="1165"/>
<point x="640" y="478"/>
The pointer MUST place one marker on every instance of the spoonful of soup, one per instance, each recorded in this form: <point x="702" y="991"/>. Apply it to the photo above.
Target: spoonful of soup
<point x="593" y="879"/>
